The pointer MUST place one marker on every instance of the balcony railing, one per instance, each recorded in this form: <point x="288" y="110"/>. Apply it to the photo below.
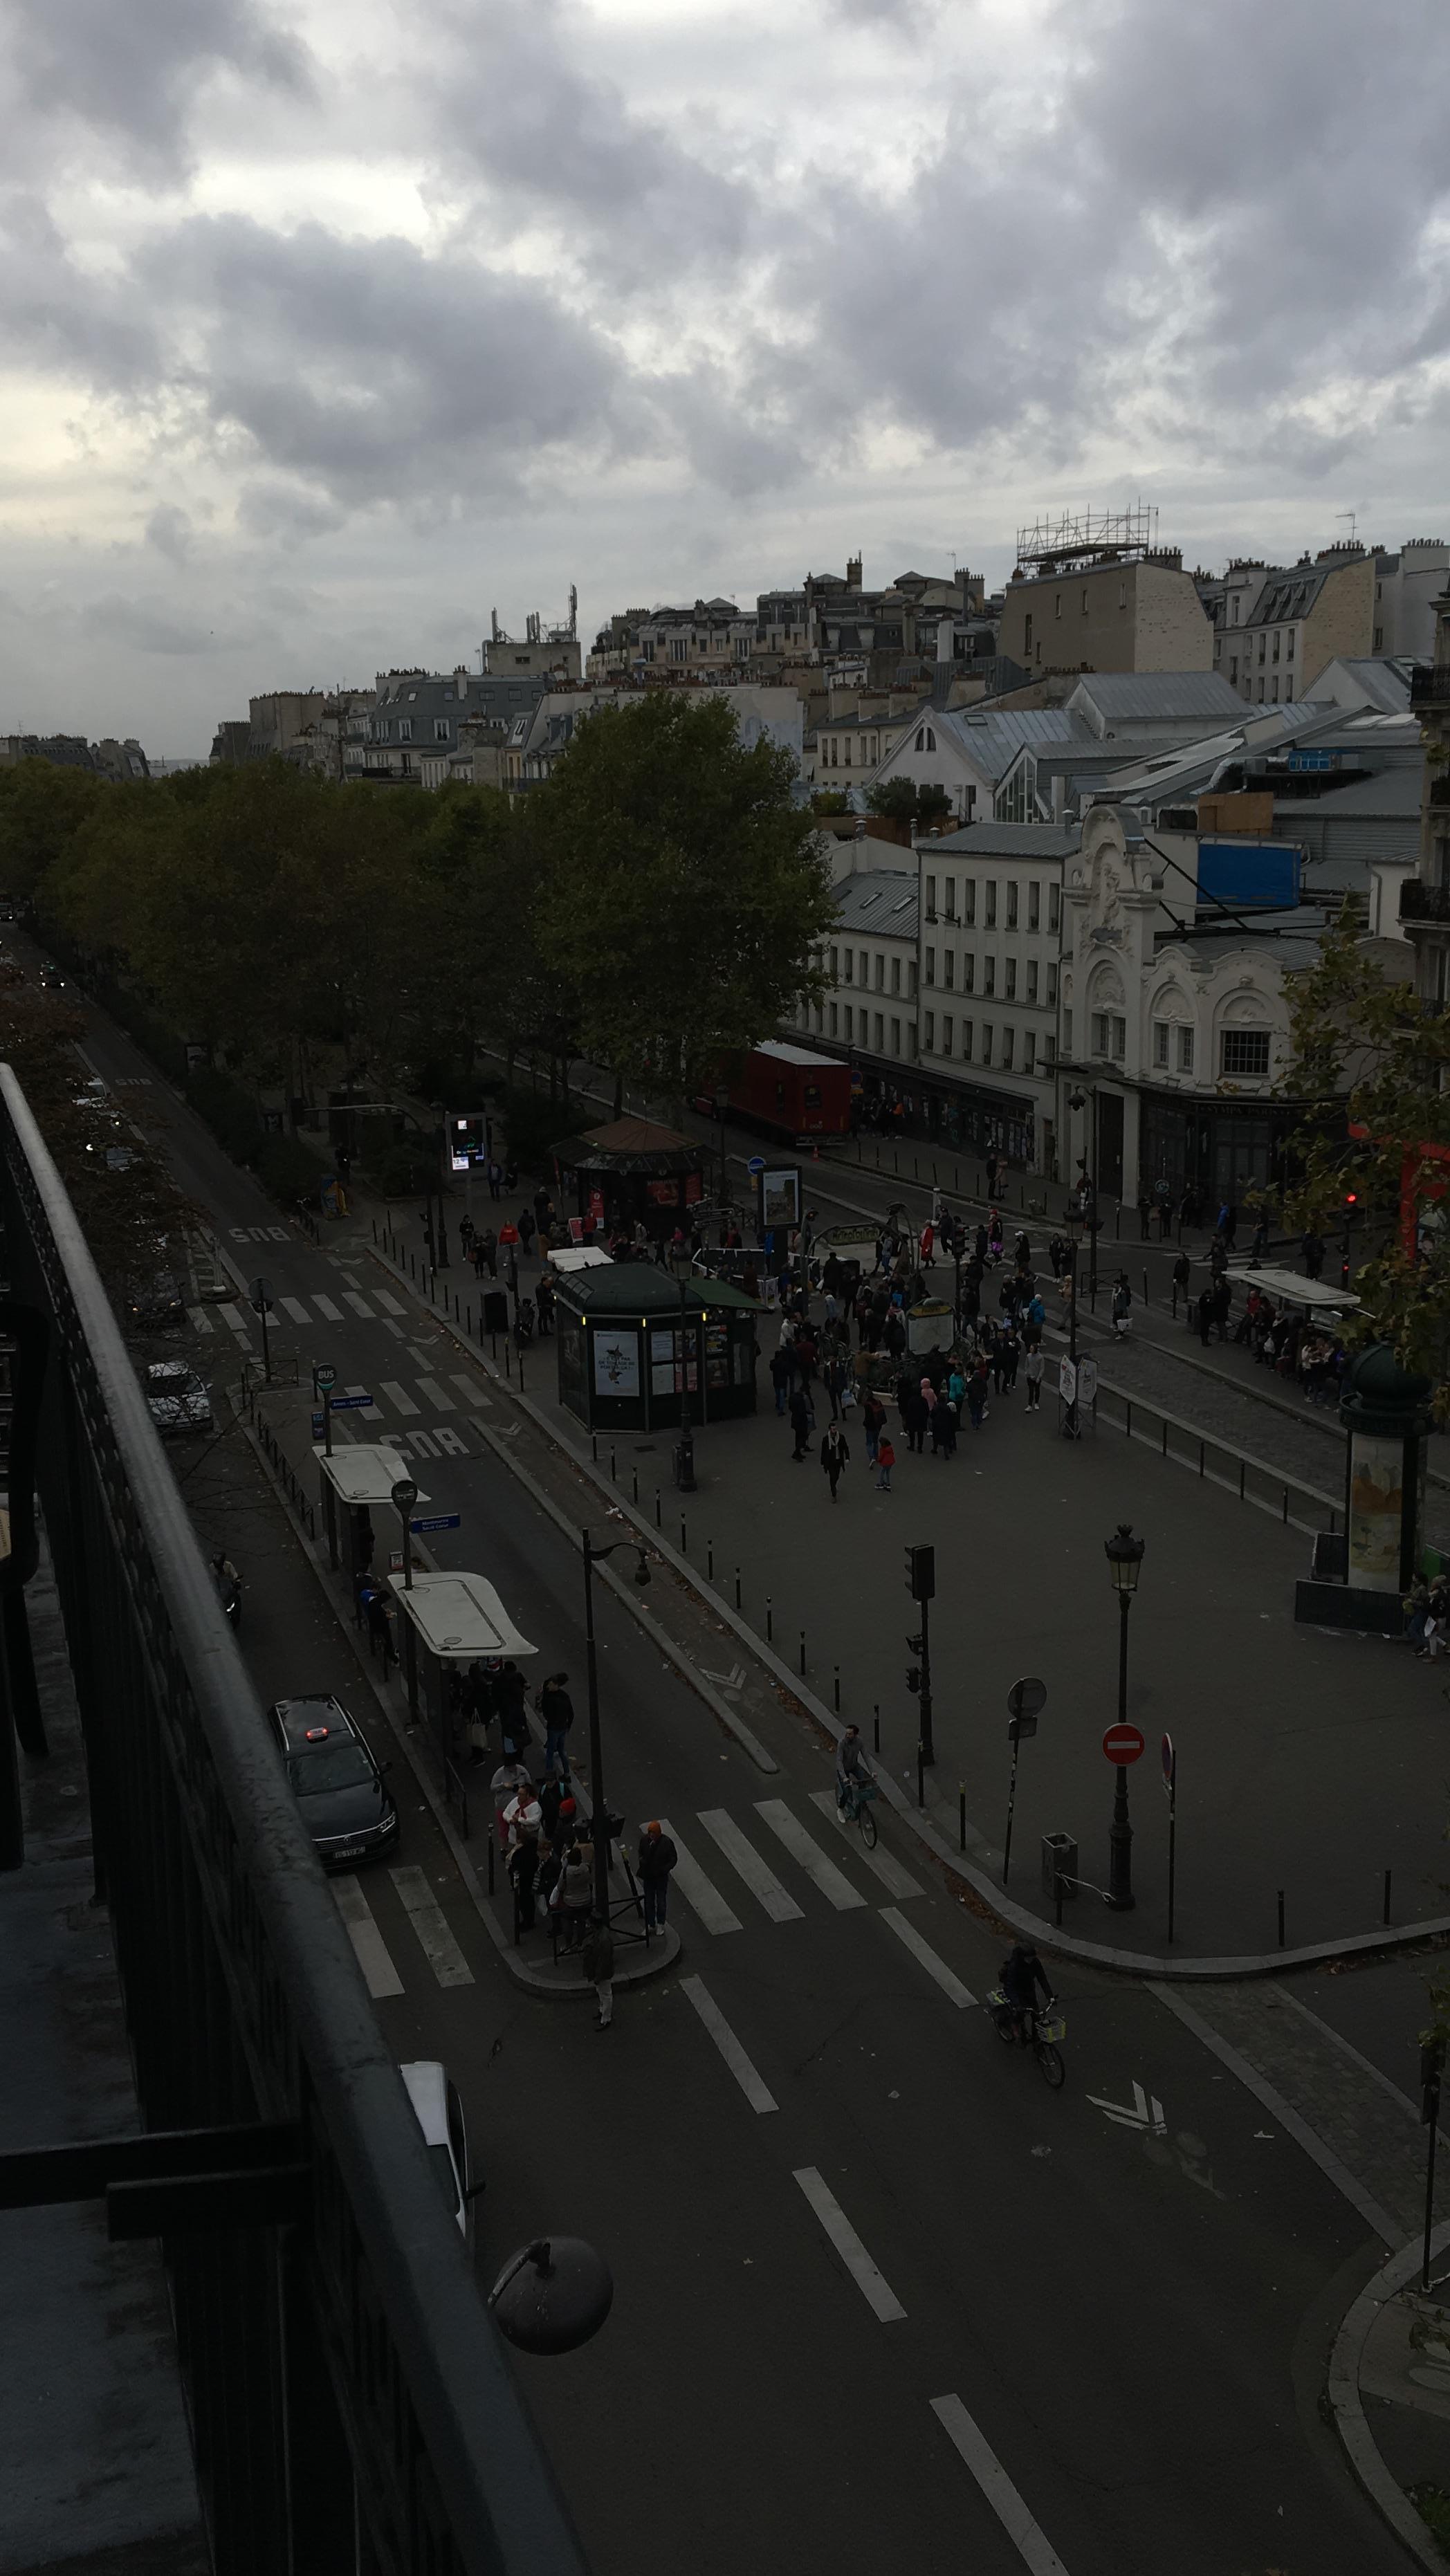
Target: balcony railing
<point x="349" y="2401"/>
<point x="1430" y="684"/>
<point x="1420" y="901"/>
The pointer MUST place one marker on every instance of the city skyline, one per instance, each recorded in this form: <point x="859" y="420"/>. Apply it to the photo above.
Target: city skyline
<point x="309" y="372"/>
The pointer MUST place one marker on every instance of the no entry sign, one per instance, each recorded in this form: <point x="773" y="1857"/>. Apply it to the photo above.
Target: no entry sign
<point x="1122" y="1744"/>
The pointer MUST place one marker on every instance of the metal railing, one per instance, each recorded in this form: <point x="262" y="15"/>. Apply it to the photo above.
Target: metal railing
<point x="1218" y="1462"/>
<point x="350" y="2404"/>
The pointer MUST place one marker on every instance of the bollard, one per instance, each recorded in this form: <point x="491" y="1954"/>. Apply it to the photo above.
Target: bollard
<point x="1281" y="1918"/>
<point x="961" y="1815"/>
<point x="737" y="1587"/>
<point x="490" y="1864"/>
<point x="957" y="1179"/>
<point x="594" y="1447"/>
<point x="921" y="1775"/>
<point x="769" y="1616"/>
<point x="468" y="1327"/>
<point x="613" y="1469"/>
<point x="915" y="1169"/>
<point x="684" y="1542"/>
<point x="836" y="1688"/>
<point x="375" y="1229"/>
<point x="508" y="1359"/>
<point x="1145" y="1287"/>
<point x="659" y="1509"/>
<point x="709" y="1560"/>
<point x="876" y="1726"/>
<point x="1057" y="1898"/>
<point x="521" y="1372"/>
<point x="634" y="1482"/>
<point x="803" y="1654"/>
<point x="1386" y="1916"/>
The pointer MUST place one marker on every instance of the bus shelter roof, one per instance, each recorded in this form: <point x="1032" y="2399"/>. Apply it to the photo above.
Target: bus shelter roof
<point x="459" y="1616"/>
<point x="364" y="1471"/>
<point x="1291" y="1288"/>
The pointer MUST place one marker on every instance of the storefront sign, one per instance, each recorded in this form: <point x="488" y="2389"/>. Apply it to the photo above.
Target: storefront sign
<point x="616" y="1363"/>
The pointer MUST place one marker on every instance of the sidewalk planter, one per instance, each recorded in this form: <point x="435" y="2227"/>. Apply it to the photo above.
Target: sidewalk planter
<point x="619" y="1337"/>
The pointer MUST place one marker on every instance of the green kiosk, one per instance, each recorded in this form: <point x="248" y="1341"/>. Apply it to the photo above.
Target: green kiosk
<point x="629" y="1338"/>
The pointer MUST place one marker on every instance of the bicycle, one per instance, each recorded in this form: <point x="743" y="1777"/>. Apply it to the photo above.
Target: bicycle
<point x="857" y="1804"/>
<point x="1039" y="2031"/>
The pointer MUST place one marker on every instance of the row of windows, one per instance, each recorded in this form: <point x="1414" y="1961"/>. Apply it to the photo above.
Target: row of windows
<point x="1083" y="609"/>
<point x="1034" y="988"/>
<point x="380" y="728"/>
<point x="1012" y="903"/>
<point x="856" y="1027"/>
<point x="983" y="1042"/>
<point x="832" y="756"/>
<point x="1244" y="1052"/>
<point x="856" y="963"/>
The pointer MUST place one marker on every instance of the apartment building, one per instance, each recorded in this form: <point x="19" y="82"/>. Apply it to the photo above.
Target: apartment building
<point x="1425" y="898"/>
<point x="991" y="923"/>
<point x="1299" y="621"/>
<point x="1138" y="613"/>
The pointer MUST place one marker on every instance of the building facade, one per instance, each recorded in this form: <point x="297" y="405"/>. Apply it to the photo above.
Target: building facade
<point x="1139" y="614"/>
<point x="1301" y="620"/>
<point x="1425" y="898"/>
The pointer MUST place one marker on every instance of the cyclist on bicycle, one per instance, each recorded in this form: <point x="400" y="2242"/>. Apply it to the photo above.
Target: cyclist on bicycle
<point x="852" y="1768"/>
<point x="1023" y="1977"/>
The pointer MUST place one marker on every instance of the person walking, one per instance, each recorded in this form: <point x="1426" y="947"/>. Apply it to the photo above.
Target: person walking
<point x="654" y="1861"/>
<point x="873" y="1422"/>
<point x="575" y="1894"/>
<point x="885" y="1461"/>
<point x="1203" y="1314"/>
<point x="526" y="1230"/>
<point x="977" y="1395"/>
<point x="523" y="1869"/>
<point x="835" y="1456"/>
<point x="782" y="1370"/>
<point x="833" y="1379"/>
<point x="1033" y="1374"/>
<point x="598" y="1966"/>
<point x="943" y="1429"/>
<point x="914" y="1417"/>
<point x="1181" y="1270"/>
<point x="800" y="1422"/>
<point x="1145" y="1213"/>
<point x="1122" y="1305"/>
<point x="991" y="1169"/>
<point x="1312" y="1247"/>
<point x="556" y="1709"/>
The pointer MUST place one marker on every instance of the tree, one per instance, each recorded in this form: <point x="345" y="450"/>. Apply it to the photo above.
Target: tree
<point x="682" y="892"/>
<point x="42" y="805"/>
<point x="1370" y="1057"/>
<point x="901" y="800"/>
<point x="830" y="800"/>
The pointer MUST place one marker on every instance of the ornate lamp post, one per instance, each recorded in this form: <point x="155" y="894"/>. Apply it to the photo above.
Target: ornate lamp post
<point x="1124" y="1553"/>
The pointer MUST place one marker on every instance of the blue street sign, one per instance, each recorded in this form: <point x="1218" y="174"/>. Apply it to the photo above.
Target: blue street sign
<point x="350" y="1403"/>
<point x="440" y="1520"/>
<point x="756" y="1165"/>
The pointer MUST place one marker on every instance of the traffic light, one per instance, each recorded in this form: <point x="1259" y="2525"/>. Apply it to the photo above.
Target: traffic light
<point x="1351" y="1200"/>
<point x="913" y="1677"/>
<point x="921" y="1573"/>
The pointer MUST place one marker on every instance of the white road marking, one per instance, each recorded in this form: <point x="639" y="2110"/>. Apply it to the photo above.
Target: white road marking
<point x="1146" y="2111"/>
<point x="365" y="1412"/>
<point x="231" y="1317"/>
<point x="358" y="1304"/>
<point x="896" y="1880"/>
<point x="450" y="1444"/>
<point x="734" y="1680"/>
<point x="421" y="1359"/>
<point x="400" y="1402"/>
<point x="832" y="1882"/>
<point x="330" y="1313"/>
<point x="388" y="1303"/>
<point x="1027" y="2537"/>
<point x="366" y="1939"/>
<point x="430" y="1923"/>
<point x="469" y="1388"/>
<point x="395" y="1329"/>
<point x="762" y="1882"/>
<point x="756" y="2093"/>
<point x="438" y="1397"/>
<point x="699" y="1892"/>
<point x="199" y="1320"/>
<point x="951" y="1986"/>
<point x="877" y="2292"/>
<point x="295" y="1308"/>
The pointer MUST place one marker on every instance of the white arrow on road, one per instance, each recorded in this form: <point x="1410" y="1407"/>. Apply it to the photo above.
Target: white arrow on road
<point x="734" y="1680"/>
<point x="1146" y="2112"/>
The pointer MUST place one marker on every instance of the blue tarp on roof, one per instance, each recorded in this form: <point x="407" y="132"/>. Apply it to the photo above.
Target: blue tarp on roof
<point x="1259" y="876"/>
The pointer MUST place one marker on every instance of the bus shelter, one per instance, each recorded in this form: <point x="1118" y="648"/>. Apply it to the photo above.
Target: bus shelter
<point x="358" y="1475"/>
<point x="630" y="1338"/>
<point x="447" y="1622"/>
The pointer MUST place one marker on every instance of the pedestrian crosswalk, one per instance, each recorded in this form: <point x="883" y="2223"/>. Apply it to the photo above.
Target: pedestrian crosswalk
<point x="446" y="1394"/>
<point x="826" y="1873"/>
<point x="378" y="1306"/>
<point x="424" y="1917"/>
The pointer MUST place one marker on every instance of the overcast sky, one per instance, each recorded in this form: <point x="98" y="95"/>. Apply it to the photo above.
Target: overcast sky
<point x="327" y="329"/>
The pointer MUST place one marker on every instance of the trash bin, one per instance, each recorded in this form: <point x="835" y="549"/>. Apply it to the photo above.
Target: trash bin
<point x="495" y="1310"/>
<point x="1059" y="1856"/>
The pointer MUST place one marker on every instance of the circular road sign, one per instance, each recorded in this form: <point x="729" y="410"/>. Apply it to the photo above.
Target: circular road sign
<point x="1026" y="1698"/>
<point x="324" y="1377"/>
<point x="405" y="1495"/>
<point x="1169" y="1759"/>
<point x="261" y="1293"/>
<point x="755" y="1166"/>
<point x="1123" y="1743"/>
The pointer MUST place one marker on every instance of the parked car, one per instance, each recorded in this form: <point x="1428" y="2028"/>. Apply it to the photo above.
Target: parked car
<point x="344" y="1800"/>
<point x="157" y="1300"/>
<point x="50" y="976"/>
<point x="434" y="2097"/>
<point x="176" y="1398"/>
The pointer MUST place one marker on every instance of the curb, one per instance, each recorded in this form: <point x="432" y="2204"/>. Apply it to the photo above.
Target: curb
<point x="1350" y="2421"/>
<point x="628" y="1972"/>
<point x="1018" y="1918"/>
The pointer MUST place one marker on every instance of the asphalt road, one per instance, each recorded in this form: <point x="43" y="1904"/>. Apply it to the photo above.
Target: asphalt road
<point x="879" y="2292"/>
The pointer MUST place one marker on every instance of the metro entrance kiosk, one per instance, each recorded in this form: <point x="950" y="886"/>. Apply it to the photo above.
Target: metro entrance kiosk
<point x="357" y="1475"/>
<point x="448" y="1621"/>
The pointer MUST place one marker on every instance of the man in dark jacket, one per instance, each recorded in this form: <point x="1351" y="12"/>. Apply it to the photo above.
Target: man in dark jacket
<point x="556" y="1709"/>
<point x="835" y="1456"/>
<point x="657" y="1857"/>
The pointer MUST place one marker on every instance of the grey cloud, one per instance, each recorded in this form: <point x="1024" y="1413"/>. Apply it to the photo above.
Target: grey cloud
<point x="126" y="74"/>
<point x="169" y="530"/>
<point x="60" y="317"/>
<point x="287" y="511"/>
<point x="145" y="624"/>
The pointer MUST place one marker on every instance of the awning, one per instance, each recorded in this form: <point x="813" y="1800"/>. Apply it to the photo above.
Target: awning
<point x="578" y="1256"/>
<point x="459" y="1616"/>
<point x="364" y="1471"/>
<point x="1291" y="1288"/>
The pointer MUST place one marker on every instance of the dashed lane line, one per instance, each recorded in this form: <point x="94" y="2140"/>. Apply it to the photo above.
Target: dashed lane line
<point x="803" y="1847"/>
<point x="757" y="2093"/>
<point x="1027" y="2536"/>
<point x="372" y="1950"/>
<point x="761" y="1880"/>
<point x="875" y="2289"/>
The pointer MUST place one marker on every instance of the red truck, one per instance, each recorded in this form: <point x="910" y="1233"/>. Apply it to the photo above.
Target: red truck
<point x="788" y="1090"/>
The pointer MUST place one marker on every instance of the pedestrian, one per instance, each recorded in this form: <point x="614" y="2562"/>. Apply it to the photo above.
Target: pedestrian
<point x="525" y="1229"/>
<point x="833" y="1378"/>
<point x="380" y="1630"/>
<point x="1181" y="1270"/>
<point x="544" y="1301"/>
<point x="1312" y="1247"/>
<point x="1145" y="1212"/>
<point x="782" y="1370"/>
<point x="598" y="1965"/>
<point x="835" y="1456"/>
<point x="1011" y="1354"/>
<point x="556" y="1709"/>
<point x="654" y="1861"/>
<point x="914" y="1418"/>
<point x="1122" y="1306"/>
<point x="885" y="1461"/>
<point x="873" y="1418"/>
<point x="926" y="1247"/>
<point x="943" y="1429"/>
<point x="1203" y="1312"/>
<point x="800" y="1422"/>
<point x="495" y="1179"/>
<point x="510" y="1699"/>
<point x="977" y="1395"/>
<point x="523" y="1869"/>
<point x="1033" y="1373"/>
<point x="487" y="1252"/>
<point x="510" y="1777"/>
<point x="575" y="1893"/>
<point x="992" y="1166"/>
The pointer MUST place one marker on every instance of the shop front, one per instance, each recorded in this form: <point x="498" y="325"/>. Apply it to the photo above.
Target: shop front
<point x="1225" y="1150"/>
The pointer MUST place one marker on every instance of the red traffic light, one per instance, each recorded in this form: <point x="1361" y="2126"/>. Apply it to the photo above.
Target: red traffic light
<point x="1351" y="1198"/>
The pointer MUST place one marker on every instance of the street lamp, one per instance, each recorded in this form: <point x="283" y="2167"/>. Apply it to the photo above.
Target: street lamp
<point x="685" y="1445"/>
<point x="722" y="1103"/>
<point x="594" y="1556"/>
<point x="405" y="1495"/>
<point x="1078" y="1101"/>
<point x="1124" y="1553"/>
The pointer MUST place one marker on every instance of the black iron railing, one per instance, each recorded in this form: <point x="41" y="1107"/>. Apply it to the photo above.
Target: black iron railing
<point x="350" y="2403"/>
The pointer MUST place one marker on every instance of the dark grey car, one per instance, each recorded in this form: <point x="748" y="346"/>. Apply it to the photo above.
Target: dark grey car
<point x="344" y="1801"/>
